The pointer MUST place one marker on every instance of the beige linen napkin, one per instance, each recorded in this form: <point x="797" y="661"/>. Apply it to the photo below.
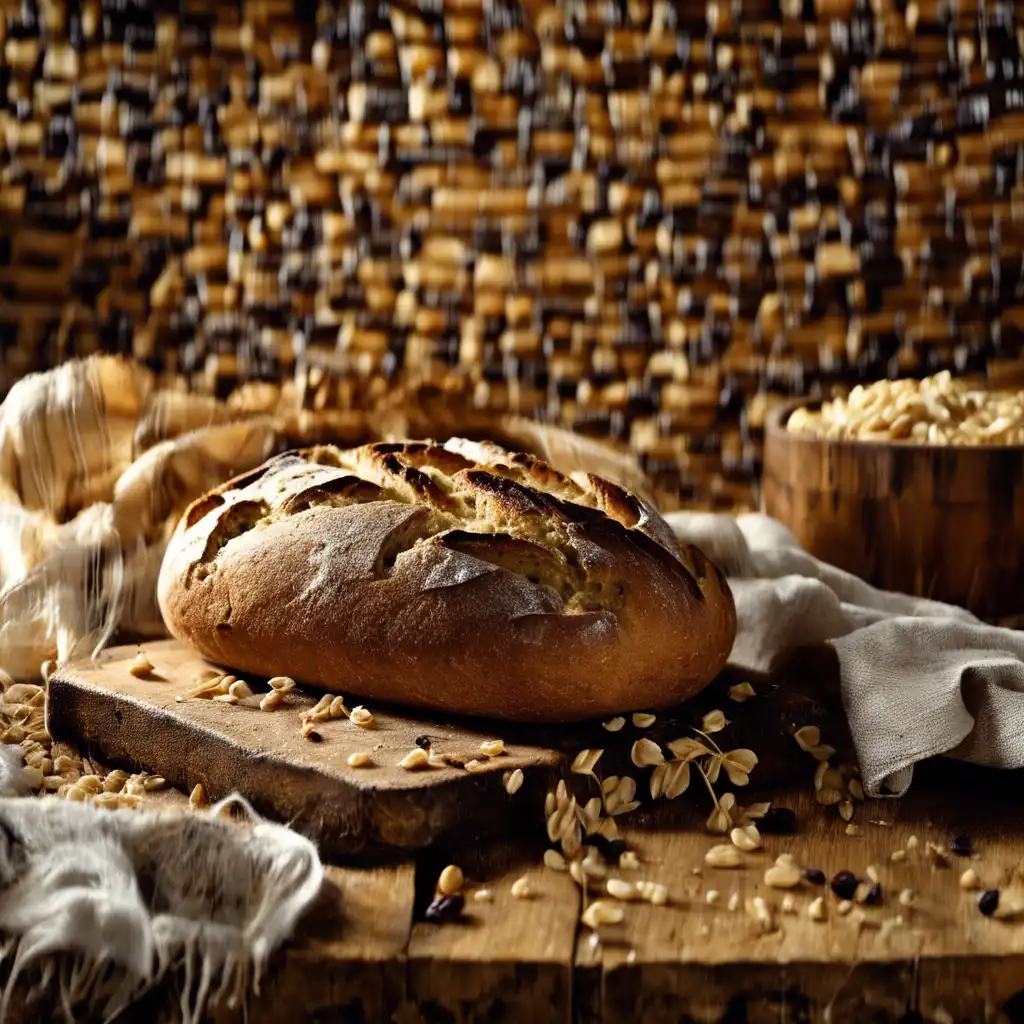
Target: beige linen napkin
<point x="919" y="678"/>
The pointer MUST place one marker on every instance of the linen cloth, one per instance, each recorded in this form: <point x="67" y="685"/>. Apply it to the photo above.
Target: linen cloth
<point x="919" y="678"/>
<point x="98" y="906"/>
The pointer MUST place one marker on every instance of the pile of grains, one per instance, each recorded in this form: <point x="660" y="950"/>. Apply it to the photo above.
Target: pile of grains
<point x="647" y="221"/>
<point x="938" y="410"/>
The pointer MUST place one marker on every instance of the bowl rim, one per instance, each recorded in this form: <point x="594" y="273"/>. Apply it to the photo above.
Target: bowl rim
<point x="775" y="427"/>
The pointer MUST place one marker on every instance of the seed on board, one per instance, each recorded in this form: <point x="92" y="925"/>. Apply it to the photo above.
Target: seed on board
<point x="758" y="909"/>
<point x="642" y="720"/>
<point x="521" y="888"/>
<point x="961" y="845"/>
<point x="970" y="880"/>
<point x="360" y="716"/>
<point x="912" y="843"/>
<point x="283" y="684"/>
<point x="337" y="708"/>
<point x="514" y="781"/>
<point x="358" y="759"/>
<point x="472" y="766"/>
<point x="197" y="798"/>
<point x="614" y="724"/>
<point x="898" y="855"/>
<point x="746" y="837"/>
<point x="788" y="904"/>
<point x="226" y="698"/>
<point x="741" y="692"/>
<point x="451" y="880"/>
<point x="653" y="892"/>
<point x="554" y="860"/>
<point x="844" y="884"/>
<point x="853" y="829"/>
<point x="492" y="748"/>
<point x="483" y="896"/>
<point x="585" y="761"/>
<point x="646" y="753"/>
<point x="629" y="861"/>
<point x="872" y="872"/>
<point x="712" y="896"/>
<point x="415" y="759"/>
<point x="714" y="721"/>
<point x="988" y="902"/>
<point x="141" y="666"/>
<point x="846" y="810"/>
<point x="446" y="908"/>
<point x="734" y="902"/>
<point x="723" y="856"/>
<point x="602" y="912"/>
<point x="271" y="700"/>
<point x="240" y="689"/>
<point x="844" y="907"/>
<point x="816" y="909"/>
<point x="621" y="889"/>
<point x="783" y="876"/>
<point x="906" y="898"/>
<point x="807" y="737"/>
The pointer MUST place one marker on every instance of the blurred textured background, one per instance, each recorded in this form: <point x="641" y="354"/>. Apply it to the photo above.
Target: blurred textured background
<point x="648" y="221"/>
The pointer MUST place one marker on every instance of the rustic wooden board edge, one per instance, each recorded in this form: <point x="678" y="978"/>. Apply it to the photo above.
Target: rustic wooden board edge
<point x="344" y="819"/>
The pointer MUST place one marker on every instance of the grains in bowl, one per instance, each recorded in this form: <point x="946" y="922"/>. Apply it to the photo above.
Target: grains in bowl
<point x="938" y="410"/>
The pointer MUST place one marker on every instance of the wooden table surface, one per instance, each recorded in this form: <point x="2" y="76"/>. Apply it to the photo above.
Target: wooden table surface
<point x="367" y="954"/>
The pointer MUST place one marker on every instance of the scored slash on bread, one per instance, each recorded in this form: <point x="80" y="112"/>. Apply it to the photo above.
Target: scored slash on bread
<point x="462" y="578"/>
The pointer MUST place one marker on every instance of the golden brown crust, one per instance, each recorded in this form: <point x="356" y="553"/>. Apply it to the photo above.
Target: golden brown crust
<point x="467" y="579"/>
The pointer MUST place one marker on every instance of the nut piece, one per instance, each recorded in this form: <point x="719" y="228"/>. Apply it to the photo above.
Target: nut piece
<point x="614" y="724"/>
<point x="970" y="880"/>
<point x="601" y="912"/>
<point x="141" y="666"/>
<point x="554" y="860"/>
<point x="783" y="876"/>
<point x="514" y="781"/>
<point x="741" y="692"/>
<point x="415" y="759"/>
<point x="450" y="880"/>
<point x="712" y="896"/>
<point x="492" y="748"/>
<point x="360" y="716"/>
<point x="646" y="753"/>
<point x="240" y="689"/>
<point x="621" y="889"/>
<point x="723" y="857"/>
<point x="360" y="759"/>
<point x="642" y="720"/>
<point x="521" y="888"/>
<point x="816" y="910"/>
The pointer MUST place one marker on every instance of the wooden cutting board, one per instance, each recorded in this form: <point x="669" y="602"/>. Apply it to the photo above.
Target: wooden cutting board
<point x="138" y="723"/>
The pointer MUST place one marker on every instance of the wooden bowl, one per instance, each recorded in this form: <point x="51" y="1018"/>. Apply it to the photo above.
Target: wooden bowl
<point x="939" y="522"/>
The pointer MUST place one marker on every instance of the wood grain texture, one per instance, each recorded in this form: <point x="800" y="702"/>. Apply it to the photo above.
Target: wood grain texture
<point x="940" y="522"/>
<point x="262" y="755"/>
<point x="692" y="961"/>
<point x="511" y="959"/>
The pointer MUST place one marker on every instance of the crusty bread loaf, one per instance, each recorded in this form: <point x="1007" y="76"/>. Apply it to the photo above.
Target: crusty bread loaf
<point x="465" y="579"/>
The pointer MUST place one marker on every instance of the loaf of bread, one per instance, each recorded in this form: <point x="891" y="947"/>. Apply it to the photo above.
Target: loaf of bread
<point x="462" y="578"/>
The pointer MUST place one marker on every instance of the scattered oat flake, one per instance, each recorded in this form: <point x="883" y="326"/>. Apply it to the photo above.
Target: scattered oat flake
<point x="614" y="724"/>
<point x="713" y="721"/>
<point x="554" y="860"/>
<point x="642" y="720"/>
<point x="585" y="761"/>
<point x="470" y="766"/>
<point x="646" y="753"/>
<point x="521" y="888"/>
<point x="808" y="737"/>
<point x="513" y="781"/>
<point x="723" y="856"/>
<point x="416" y="758"/>
<point x="741" y="692"/>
